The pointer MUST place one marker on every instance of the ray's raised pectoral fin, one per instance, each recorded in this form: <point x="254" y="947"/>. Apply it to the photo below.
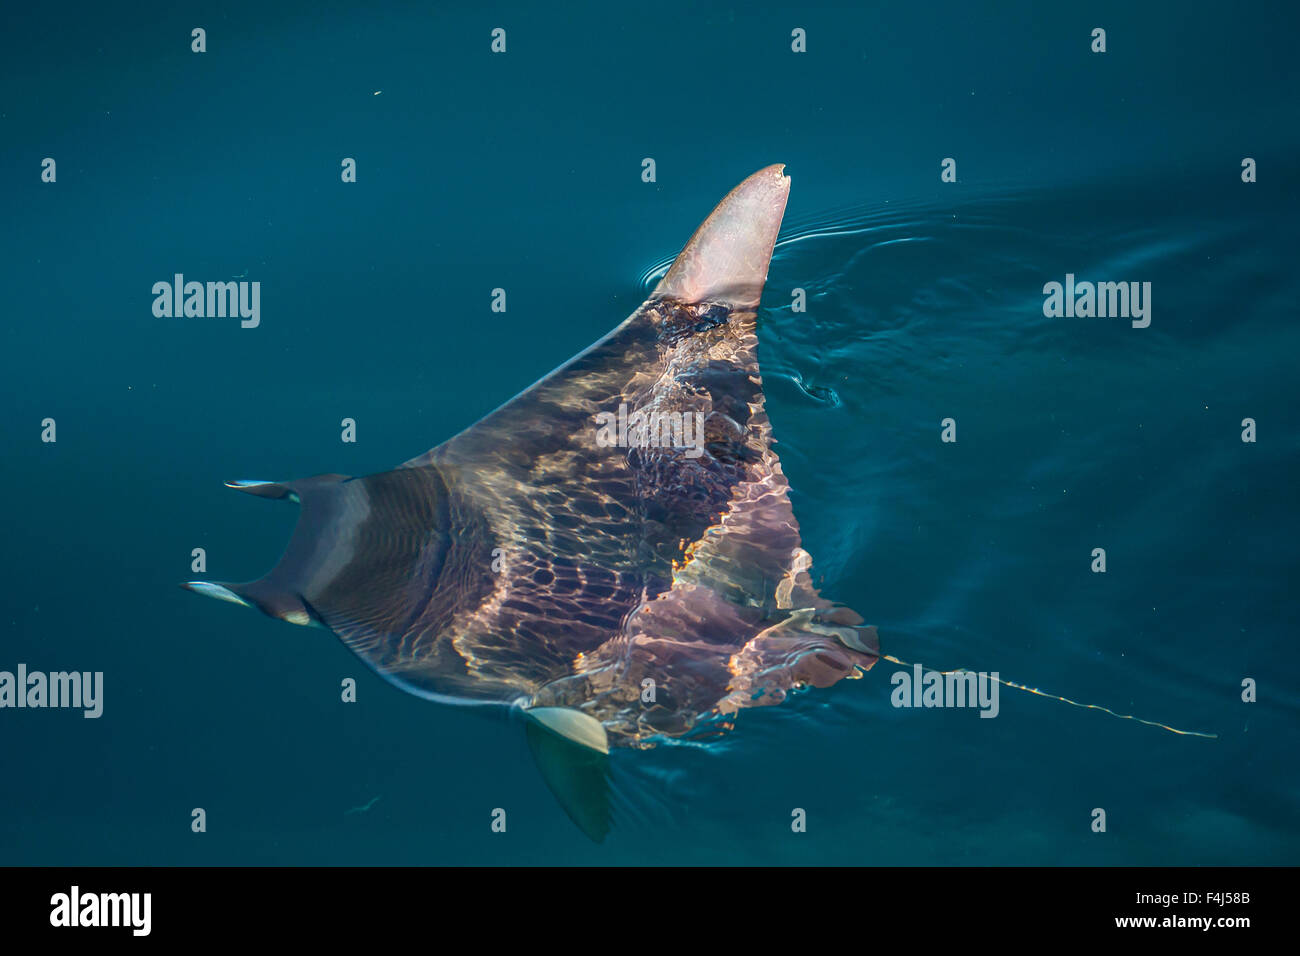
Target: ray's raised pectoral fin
<point x="572" y="753"/>
<point x="725" y="263"/>
<point x="727" y="259"/>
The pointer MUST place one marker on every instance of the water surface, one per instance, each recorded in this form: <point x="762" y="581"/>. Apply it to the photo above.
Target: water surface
<point x="523" y="172"/>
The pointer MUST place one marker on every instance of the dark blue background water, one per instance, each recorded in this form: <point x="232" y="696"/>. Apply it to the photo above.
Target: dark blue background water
<point x="522" y="171"/>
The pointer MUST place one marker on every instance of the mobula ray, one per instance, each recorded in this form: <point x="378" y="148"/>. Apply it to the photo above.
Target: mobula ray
<point x="616" y="584"/>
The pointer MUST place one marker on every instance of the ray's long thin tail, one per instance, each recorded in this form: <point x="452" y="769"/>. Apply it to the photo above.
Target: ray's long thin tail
<point x="1072" y="703"/>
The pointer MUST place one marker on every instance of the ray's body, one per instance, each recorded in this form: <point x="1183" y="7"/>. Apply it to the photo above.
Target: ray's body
<point x="618" y="594"/>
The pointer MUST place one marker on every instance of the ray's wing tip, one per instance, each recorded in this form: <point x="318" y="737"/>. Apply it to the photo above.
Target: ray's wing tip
<point x="775" y="173"/>
<point x="727" y="258"/>
<point x="772" y="179"/>
<point x="573" y="725"/>
<point x="759" y="201"/>
<point x="571" y="749"/>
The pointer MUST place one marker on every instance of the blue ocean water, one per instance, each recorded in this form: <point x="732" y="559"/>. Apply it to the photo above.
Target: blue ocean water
<point x="522" y="171"/>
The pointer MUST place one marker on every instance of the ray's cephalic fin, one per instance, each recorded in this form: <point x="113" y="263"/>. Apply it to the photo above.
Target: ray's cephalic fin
<point x="362" y="557"/>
